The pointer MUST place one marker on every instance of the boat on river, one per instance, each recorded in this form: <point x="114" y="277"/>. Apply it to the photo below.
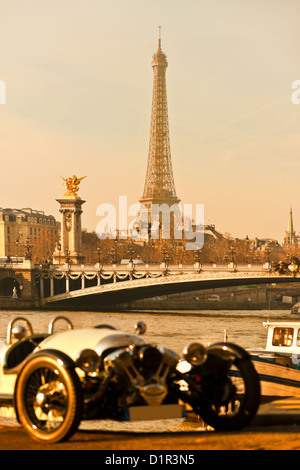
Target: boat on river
<point x="278" y="365"/>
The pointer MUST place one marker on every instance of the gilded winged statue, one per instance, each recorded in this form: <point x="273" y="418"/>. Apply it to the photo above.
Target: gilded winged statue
<point x="72" y="185"/>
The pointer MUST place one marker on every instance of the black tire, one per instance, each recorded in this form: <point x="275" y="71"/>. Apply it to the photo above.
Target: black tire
<point x="49" y="399"/>
<point x="241" y="410"/>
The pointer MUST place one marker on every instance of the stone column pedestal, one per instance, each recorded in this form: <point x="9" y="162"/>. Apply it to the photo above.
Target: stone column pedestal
<point x="70" y="235"/>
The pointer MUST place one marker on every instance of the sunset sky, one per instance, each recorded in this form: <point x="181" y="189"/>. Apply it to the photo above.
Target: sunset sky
<point x="78" y="81"/>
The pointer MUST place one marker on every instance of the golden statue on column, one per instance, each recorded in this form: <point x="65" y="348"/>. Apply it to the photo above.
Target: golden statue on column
<point x="72" y="185"/>
<point x="70" y="244"/>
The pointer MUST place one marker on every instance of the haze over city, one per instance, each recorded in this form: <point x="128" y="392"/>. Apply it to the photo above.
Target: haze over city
<point x="78" y="101"/>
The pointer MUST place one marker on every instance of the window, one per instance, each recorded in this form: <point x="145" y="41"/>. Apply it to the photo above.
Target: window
<point x="283" y="336"/>
<point x="298" y="338"/>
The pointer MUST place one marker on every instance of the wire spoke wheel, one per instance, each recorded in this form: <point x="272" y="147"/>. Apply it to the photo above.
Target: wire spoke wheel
<point x="49" y="399"/>
<point x="46" y="398"/>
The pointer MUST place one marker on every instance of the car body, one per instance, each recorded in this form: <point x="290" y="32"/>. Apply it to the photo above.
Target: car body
<point x="21" y="344"/>
<point x="54" y="380"/>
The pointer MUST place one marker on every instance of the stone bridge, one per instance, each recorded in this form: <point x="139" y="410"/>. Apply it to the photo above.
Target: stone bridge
<point x="96" y="287"/>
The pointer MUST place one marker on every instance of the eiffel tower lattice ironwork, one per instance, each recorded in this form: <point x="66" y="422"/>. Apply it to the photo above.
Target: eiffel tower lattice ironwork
<point x="159" y="185"/>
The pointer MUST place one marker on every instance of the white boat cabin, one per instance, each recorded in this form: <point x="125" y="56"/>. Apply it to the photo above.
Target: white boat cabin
<point x="283" y="337"/>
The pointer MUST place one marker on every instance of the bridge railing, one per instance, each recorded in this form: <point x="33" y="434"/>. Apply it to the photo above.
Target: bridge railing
<point x="151" y="267"/>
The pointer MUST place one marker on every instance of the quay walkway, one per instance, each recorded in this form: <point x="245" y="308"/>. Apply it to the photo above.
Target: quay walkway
<point x="280" y="412"/>
<point x="276" y="427"/>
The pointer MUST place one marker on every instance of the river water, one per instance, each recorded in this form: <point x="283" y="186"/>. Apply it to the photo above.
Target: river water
<point x="173" y="330"/>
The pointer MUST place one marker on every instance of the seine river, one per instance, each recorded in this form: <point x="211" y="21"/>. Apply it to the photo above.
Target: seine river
<point x="171" y="329"/>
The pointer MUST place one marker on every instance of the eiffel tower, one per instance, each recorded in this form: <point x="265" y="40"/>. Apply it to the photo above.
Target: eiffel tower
<point x="159" y="185"/>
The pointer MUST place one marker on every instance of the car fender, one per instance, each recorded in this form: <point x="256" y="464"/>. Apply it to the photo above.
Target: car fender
<point x="227" y="350"/>
<point x="60" y="356"/>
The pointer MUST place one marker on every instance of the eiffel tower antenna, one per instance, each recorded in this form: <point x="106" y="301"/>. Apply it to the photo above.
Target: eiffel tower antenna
<point x="159" y="184"/>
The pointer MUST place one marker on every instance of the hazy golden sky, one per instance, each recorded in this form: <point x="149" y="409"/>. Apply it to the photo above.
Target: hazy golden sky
<point x="79" y="87"/>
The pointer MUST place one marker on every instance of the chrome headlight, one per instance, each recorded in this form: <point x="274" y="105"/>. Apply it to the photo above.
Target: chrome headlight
<point x="195" y="354"/>
<point x="88" y="360"/>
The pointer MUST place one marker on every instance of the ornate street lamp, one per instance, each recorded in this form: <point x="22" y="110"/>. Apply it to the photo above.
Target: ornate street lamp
<point x="58" y="246"/>
<point x="197" y="259"/>
<point x="116" y="250"/>
<point x="131" y="252"/>
<point x="17" y="242"/>
<point x="67" y="255"/>
<point x="113" y="256"/>
<point x="153" y="248"/>
<point x="232" y="264"/>
<point x="164" y="253"/>
<point x="268" y="251"/>
<point x="246" y="248"/>
<point x="28" y="247"/>
<point x="166" y="258"/>
<point x="99" y="252"/>
<point x="233" y="252"/>
<point x="197" y="256"/>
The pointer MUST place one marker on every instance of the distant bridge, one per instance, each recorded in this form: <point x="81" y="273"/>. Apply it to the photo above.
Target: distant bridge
<point x="96" y="287"/>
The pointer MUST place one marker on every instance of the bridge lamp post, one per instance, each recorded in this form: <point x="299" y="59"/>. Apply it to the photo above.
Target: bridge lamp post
<point x="113" y="256"/>
<point x="99" y="252"/>
<point x="58" y="246"/>
<point x="164" y="253"/>
<point x="67" y="255"/>
<point x="246" y="249"/>
<point x="197" y="255"/>
<point x="232" y="265"/>
<point x="165" y="258"/>
<point x="152" y="246"/>
<point x="267" y="264"/>
<point x="28" y="247"/>
<point x="197" y="259"/>
<point x="181" y="256"/>
<point x="131" y="252"/>
<point x="232" y="254"/>
<point x="18" y="244"/>
<point x="116" y="250"/>
<point x="131" y="263"/>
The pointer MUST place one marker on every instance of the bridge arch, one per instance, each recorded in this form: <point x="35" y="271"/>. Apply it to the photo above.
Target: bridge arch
<point x="7" y="286"/>
<point x="114" y="293"/>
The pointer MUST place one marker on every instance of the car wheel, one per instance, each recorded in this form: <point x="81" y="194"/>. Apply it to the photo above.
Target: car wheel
<point x="49" y="399"/>
<point x="240" y="406"/>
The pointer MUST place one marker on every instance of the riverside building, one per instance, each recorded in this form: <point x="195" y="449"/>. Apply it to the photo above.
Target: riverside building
<point x="19" y="226"/>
